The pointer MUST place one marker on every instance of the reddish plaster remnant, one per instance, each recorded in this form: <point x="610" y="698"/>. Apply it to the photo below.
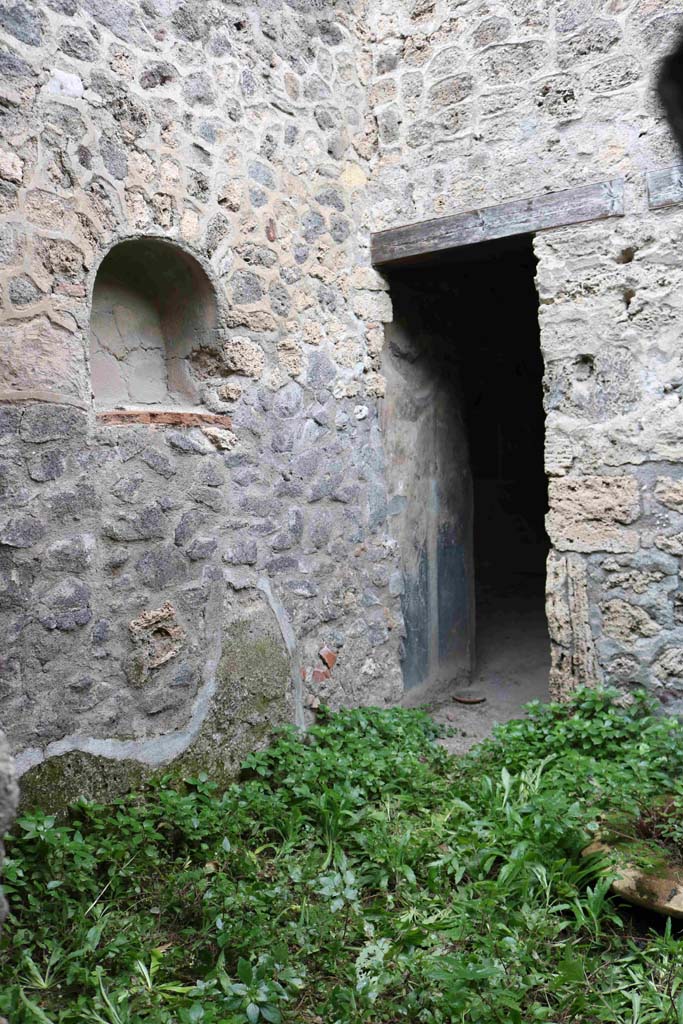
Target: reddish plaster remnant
<point x="328" y="656"/>
<point x="320" y="675"/>
<point x="159" y="418"/>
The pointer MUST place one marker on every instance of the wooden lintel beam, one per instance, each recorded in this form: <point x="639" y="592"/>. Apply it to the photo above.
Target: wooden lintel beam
<point x="518" y="217"/>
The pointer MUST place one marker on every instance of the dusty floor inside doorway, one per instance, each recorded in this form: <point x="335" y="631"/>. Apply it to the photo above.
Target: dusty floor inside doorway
<point x="511" y="670"/>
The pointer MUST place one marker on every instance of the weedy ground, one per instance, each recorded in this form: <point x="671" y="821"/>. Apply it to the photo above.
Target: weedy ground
<point x="361" y="876"/>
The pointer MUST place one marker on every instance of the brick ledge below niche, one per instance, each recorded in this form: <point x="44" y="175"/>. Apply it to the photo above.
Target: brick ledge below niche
<point x="163" y="418"/>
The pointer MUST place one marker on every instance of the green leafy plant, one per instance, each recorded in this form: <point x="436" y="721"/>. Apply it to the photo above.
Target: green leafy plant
<point x="358" y="875"/>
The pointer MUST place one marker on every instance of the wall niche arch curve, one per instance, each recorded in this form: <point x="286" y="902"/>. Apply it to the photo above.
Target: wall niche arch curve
<point x="153" y="306"/>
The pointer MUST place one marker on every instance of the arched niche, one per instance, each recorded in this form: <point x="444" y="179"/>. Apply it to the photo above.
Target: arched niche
<point x="153" y="305"/>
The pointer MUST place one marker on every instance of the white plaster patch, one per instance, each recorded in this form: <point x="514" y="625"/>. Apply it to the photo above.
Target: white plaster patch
<point x="65" y="83"/>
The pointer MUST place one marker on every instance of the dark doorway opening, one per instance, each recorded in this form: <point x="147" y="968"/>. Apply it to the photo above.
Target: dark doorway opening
<point x="465" y="382"/>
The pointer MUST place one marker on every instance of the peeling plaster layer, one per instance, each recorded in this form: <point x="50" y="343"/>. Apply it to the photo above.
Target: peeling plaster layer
<point x="160" y="750"/>
<point x="156" y="750"/>
<point x="291" y="644"/>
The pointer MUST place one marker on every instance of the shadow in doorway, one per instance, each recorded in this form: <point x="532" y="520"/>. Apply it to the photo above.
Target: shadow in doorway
<point x="464" y="425"/>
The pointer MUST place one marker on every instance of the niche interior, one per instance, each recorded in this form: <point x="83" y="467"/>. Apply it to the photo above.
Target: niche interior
<point x="153" y="309"/>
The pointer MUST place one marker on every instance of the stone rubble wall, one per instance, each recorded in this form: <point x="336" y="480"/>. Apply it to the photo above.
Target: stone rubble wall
<point x="478" y="103"/>
<point x="481" y="103"/>
<point x="611" y="319"/>
<point x="132" y="555"/>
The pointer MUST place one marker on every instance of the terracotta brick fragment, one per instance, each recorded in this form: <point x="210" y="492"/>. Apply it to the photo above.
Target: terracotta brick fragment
<point x="328" y="656"/>
<point x="163" y="418"/>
